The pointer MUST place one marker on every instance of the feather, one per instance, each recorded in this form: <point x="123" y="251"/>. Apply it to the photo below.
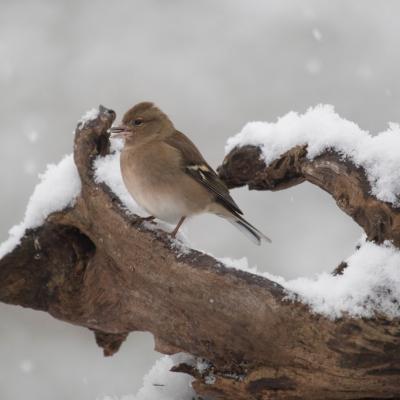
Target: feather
<point x="249" y="230"/>
<point x="194" y="165"/>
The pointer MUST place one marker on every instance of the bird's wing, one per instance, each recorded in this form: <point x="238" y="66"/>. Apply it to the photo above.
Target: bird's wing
<point x="195" y="166"/>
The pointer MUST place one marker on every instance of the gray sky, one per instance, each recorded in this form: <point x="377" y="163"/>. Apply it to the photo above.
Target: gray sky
<point x="212" y="66"/>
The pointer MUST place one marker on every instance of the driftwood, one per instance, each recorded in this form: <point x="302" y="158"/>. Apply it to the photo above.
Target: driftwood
<point x="94" y="266"/>
<point x="345" y="182"/>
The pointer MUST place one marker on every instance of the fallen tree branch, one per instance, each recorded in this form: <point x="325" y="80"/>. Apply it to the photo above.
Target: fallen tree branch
<point x="94" y="266"/>
<point x="344" y="181"/>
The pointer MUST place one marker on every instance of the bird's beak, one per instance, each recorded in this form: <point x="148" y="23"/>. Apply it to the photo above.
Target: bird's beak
<point x="119" y="132"/>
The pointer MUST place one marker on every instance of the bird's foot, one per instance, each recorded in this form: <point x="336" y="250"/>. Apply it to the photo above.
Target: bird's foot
<point x="140" y="220"/>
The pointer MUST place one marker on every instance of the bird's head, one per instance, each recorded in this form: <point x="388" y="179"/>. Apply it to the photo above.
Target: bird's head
<point x="143" y="122"/>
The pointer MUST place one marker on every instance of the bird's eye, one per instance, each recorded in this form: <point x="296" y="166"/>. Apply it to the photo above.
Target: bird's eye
<point x="138" y="122"/>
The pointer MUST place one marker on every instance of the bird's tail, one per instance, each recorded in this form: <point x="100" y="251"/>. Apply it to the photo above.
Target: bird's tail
<point x="249" y="230"/>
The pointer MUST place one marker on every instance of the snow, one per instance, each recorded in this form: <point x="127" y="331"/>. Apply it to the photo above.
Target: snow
<point x="30" y="167"/>
<point x="58" y="188"/>
<point x="321" y="128"/>
<point x="313" y="66"/>
<point x="369" y="286"/>
<point x="26" y="366"/>
<point x="162" y="384"/>
<point x="88" y="116"/>
<point x="107" y="170"/>
<point x="32" y="136"/>
<point x="202" y="365"/>
<point x="317" y="34"/>
<point x="365" y="72"/>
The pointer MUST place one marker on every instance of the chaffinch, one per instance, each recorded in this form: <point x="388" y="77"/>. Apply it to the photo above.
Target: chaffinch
<point x="167" y="175"/>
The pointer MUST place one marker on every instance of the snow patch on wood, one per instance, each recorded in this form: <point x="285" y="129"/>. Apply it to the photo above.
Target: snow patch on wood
<point x="322" y="129"/>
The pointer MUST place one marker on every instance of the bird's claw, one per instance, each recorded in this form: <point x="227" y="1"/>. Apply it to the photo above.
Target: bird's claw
<point x="140" y="220"/>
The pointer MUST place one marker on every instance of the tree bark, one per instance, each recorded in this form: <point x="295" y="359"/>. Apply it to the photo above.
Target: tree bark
<point x="95" y="266"/>
<point x="338" y="176"/>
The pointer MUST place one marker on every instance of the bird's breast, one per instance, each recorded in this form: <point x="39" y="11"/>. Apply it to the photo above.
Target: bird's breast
<point x="155" y="180"/>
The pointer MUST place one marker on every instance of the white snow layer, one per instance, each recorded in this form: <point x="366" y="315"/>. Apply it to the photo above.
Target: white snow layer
<point x="108" y="171"/>
<point x="58" y="188"/>
<point x="88" y="116"/>
<point x="320" y="128"/>
<point x="162" y="384"/>
<point x="370" y="285"/>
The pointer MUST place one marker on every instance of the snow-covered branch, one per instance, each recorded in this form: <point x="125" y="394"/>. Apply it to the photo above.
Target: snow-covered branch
<point x="361" y="172"/>
<point x="87" y="259"/>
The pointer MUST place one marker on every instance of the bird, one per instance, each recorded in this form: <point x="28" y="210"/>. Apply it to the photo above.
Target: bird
<point x="167" y="175"/>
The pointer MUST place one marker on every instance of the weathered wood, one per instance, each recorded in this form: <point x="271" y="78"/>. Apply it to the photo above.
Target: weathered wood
<point x="338" y="176"/>
<point x="94" y="266"/>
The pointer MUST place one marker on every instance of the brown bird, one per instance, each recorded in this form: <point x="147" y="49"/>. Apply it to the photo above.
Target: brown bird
<point x="167" y="175"/>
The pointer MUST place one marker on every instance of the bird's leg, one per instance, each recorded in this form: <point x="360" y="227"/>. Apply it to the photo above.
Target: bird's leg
<point x="175" y="231"/>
